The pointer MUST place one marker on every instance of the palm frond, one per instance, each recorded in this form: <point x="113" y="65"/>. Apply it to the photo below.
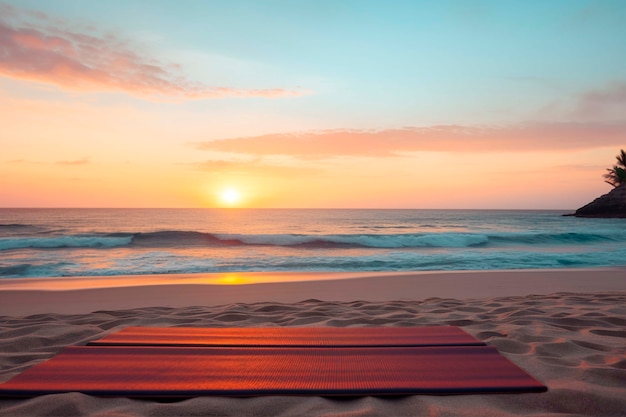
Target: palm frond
<point x="616" y="176"/>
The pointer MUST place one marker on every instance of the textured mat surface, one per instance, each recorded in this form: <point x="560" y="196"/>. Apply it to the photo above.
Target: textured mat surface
<point x="291" y="336"/>
<point x="162" y="372"/>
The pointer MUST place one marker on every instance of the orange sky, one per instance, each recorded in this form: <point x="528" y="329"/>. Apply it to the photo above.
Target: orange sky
<point x="99" y="112"/>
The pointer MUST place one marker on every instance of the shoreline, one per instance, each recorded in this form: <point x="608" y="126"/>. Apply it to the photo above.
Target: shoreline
<point x="79" y="295"/>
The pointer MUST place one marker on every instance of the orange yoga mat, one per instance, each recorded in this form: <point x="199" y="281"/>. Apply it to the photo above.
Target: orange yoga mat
<point x="168" y="371"/>
<point x="291" y="337"/>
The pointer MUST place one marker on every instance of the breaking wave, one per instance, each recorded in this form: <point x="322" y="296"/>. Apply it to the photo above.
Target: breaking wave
<point x="174" y="239"/>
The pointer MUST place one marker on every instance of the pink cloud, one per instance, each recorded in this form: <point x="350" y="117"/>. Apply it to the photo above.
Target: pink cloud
<point x="80" y="62"/>
<point x="393" y="142"/>
<point x="605" y="102"/>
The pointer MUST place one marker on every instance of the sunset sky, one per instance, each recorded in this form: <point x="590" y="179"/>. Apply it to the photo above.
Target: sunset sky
<point x="325" y="103"/>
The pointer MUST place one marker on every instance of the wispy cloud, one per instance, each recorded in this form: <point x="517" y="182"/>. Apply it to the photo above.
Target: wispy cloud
<point x="73" y="162"/>
<point x="606" y="102"/>
<point x="394" y="142"/>
<point x="84" y="161"/>
<point x="77" y="61"/>
<point x="252" y="168"/>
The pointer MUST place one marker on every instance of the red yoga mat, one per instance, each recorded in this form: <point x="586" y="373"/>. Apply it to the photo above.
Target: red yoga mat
<point x="291" y="337"/>
<point x="166" y="371"/>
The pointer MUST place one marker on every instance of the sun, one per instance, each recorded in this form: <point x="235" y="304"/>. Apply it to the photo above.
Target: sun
<point x="230" y="196"/>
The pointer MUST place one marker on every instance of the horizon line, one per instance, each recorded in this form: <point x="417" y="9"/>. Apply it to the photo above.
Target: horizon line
<point x="274" y="208"/>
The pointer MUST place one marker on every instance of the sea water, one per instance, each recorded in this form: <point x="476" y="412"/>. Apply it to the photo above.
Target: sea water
<point x="82" y="242"/>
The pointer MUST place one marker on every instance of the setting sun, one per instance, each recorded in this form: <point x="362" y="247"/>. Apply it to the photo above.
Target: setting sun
<point x="230" y="196"/>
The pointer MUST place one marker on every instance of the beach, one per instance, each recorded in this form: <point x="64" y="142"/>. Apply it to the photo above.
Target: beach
<point x="374" y="171"/>
<point x="564" y="327"/>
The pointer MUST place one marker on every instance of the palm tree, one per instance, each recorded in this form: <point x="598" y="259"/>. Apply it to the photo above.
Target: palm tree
<point x="616" y="176"/>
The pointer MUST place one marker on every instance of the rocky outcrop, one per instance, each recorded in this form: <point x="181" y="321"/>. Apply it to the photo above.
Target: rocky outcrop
<point x="611" y="205"/>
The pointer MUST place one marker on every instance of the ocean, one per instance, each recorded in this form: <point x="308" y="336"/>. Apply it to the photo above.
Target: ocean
<point x="101" y="242"/>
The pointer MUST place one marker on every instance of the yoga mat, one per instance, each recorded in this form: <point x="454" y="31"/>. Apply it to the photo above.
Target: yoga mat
<point x="291" y="337"/>
<point x="166" y="371"/>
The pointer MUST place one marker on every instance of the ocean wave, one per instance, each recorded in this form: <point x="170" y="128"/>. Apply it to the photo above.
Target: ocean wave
<point x="180" y="239"/>
<point x="418" y="240"/>
<point x="177" y="262"/>
<point x="19" y="270"/>
<point x="383" y="241"/>
<point x="556" y="238"/>
<point x="45" y="269"/>
<point x="173" y="238"/>
<point x="312" y="241"/>
<point x="64" y="242"/>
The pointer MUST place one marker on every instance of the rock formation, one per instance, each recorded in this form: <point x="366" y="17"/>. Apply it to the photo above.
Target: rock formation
<point x="611" y="205"/>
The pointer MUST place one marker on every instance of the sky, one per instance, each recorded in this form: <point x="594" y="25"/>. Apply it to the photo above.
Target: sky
<point x="494" y="104"/>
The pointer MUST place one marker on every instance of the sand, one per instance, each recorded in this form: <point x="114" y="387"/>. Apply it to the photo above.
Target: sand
<point x="567" y="328"/>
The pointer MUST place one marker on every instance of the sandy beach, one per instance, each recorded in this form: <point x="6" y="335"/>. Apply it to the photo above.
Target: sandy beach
<point x="564" y="327"/>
